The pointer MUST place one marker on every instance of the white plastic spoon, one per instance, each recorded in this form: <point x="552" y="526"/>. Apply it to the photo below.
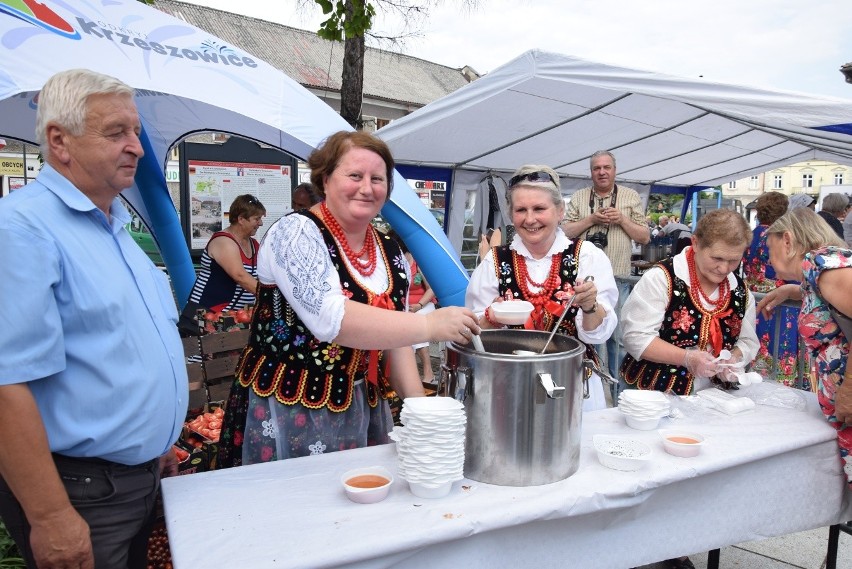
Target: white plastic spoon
<point x="723" y="355"/>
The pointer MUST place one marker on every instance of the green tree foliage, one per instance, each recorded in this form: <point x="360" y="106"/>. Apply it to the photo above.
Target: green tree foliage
<point x="10" y="558"/>
<point x="346" y="19"/>
<point x="350" y="21"/>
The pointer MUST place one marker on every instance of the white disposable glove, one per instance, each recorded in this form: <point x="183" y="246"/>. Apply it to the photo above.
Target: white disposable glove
<point x="729" y="370"/>
<point x="700" y="363"/>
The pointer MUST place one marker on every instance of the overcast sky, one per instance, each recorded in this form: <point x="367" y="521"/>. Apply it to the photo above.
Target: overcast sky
<point x="790" y="45"/>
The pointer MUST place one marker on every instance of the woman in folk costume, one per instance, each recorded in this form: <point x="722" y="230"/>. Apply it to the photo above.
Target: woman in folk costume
<point x="542" y="266"/>
<point x="332" y="296"/>
<point x="685" y="310"/>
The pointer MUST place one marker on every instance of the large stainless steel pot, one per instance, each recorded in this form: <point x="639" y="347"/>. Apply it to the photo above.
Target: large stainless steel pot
<point x="523" y="411"/>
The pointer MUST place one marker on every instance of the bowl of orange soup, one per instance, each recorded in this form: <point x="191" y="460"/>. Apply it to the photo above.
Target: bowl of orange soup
<point x="367" y="485"/>
<point x="681" y="443"/>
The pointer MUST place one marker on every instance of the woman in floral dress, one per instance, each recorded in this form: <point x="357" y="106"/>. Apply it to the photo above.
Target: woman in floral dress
<point x="760" y="277"/>
<point x="802" y="246"/>
<point x="332" y="296"/>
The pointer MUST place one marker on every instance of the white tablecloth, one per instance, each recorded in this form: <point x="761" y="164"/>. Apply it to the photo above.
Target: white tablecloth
<point x="763" y="473"/>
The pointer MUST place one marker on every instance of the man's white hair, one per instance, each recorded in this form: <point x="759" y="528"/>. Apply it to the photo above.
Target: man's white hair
<point x="63" y="101"/>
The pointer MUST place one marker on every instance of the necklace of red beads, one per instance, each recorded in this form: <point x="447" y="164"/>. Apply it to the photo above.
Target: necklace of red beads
<point x="366" y="268"/>
<point x="547" y="288"/>
<point x="697" y="292"/>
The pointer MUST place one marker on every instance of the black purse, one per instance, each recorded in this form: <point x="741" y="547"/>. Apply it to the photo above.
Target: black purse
<point x="188" y="324"/>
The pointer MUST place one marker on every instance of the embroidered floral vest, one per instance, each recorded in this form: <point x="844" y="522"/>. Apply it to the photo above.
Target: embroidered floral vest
<point x="506" y="269"/>
<point x="285" y="360"/>
<point x="685" y="325"/>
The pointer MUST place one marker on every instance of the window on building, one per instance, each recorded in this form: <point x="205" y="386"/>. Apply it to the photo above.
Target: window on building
<point x="777" y="182"/>
<point x="752" y="182"/>
<point x="732" y="184"/>
<point x="807" y="180"/>
<point x="838" y="178"/>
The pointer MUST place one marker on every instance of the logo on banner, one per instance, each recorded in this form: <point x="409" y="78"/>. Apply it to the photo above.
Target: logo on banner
<point x="39" y="15"/>
<point x="208" y="52"/>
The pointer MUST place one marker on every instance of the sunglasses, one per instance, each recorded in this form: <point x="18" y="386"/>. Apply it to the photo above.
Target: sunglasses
<point x="539" y="176"/>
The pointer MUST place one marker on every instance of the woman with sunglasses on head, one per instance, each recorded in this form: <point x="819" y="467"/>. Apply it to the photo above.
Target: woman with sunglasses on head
<point x="330" y="335"/>
<point x="542" y="266"/>
<point x="227" y="278"/>
<point x="803" y="247"/>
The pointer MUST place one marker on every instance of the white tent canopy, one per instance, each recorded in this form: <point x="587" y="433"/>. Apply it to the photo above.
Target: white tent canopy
<point x="546" y="108"/>
<point x="554" y="109"/>
<point x="186" y="81"/>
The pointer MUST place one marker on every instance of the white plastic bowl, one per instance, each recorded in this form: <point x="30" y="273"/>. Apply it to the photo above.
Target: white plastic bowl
<point x="366" y="495"/>
<point x="621" y="453"/>
<point x="511" y="312"/>
<point x="642" y="423"/>
<point x="644" y="396"/>
<point x="681" y="443"/>
<point x="430" y="490"/>
<point x="427" y="405"/>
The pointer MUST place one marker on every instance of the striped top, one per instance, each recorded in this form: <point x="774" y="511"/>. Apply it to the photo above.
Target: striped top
<point x="214" y="289"/>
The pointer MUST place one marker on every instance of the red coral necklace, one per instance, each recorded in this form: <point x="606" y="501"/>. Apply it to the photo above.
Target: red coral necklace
<point x="697" y="292"/>
<point x="366" y="268"/>
<point x="546" y="288"/>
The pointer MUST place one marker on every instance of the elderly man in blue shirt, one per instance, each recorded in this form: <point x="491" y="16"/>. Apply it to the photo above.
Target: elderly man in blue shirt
<point x="93" y="387"/>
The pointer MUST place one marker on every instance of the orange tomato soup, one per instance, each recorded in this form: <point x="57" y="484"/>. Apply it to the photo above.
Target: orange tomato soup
<point x="683" y="440"/>
<point x="367" y="481"/>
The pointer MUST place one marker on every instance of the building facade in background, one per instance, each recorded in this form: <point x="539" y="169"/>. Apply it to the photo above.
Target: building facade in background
<point x="810" y="177"/>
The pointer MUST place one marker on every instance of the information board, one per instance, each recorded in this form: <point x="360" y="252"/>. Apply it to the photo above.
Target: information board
<point x="213" y="186"/>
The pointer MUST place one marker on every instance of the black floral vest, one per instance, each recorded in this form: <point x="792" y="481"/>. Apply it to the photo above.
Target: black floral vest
<point x="285" y="360"/>
<point x="506" y="270"/>
<point x="685" y="325"/>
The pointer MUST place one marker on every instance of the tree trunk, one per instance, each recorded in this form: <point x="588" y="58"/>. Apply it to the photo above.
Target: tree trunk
<point x="352" y="80"/>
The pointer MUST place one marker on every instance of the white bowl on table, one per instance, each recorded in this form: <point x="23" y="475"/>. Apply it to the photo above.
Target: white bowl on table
<point x="430" y="490"/>
<point x="367" y="485"/>
<point x="621" y="453"/>
<point x="681" y="443"/>
<point x="642" y="423"/>
<point x="511" y="312"/>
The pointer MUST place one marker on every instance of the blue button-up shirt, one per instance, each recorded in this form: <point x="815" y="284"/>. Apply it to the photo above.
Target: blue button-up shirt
<point x="89" y="323"/>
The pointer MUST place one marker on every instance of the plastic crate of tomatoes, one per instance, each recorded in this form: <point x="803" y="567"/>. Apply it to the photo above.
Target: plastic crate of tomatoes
<point x="210" y="321"/>
<point x="198" y="446"/>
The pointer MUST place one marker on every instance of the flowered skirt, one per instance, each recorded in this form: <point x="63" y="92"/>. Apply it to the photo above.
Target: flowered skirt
<point x="784" y="369"/>
<point x="261" y="429"/>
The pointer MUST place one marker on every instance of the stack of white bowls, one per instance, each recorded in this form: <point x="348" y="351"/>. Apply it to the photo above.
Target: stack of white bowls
<point x="642" y="409"/>
<point x="430" y="445"/>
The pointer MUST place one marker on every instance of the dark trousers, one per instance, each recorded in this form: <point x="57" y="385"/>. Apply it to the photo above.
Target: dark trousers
<point x="117" y="501"/>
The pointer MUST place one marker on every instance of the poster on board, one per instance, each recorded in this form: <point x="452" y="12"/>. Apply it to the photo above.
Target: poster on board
<point x="432" y="193"/>
<point x="213" y="185"/>
<point x="9" y="184"/>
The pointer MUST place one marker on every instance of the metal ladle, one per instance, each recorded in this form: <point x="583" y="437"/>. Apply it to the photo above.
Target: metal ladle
<point x="562" y="316"/>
